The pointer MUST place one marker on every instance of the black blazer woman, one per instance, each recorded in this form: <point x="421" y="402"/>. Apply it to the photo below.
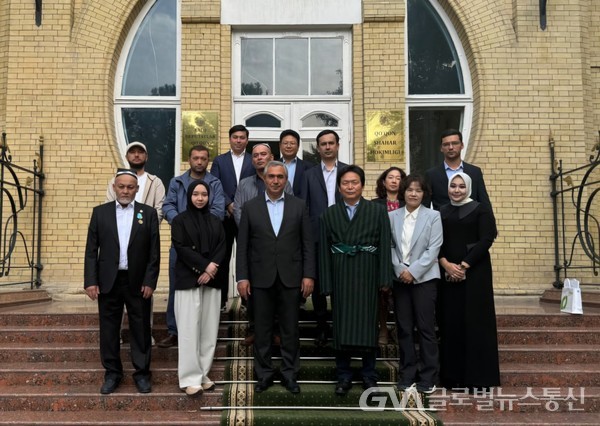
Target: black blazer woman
<point x="199" y="239"/>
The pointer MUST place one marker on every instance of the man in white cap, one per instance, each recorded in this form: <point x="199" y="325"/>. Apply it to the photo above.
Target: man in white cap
<point x="152" y="190"/>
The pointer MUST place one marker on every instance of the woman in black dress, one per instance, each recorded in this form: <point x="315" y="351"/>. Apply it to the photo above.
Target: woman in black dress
<point x="467" y="317"/>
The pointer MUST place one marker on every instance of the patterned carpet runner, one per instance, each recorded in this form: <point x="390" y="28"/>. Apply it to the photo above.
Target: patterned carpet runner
<point x="317" y="403"/>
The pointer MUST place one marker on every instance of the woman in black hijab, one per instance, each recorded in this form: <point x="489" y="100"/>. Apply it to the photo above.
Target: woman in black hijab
<point x="199" y="240"/>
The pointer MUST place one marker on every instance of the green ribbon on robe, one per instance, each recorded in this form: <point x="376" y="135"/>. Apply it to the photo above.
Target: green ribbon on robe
<point x="341" y="248"/>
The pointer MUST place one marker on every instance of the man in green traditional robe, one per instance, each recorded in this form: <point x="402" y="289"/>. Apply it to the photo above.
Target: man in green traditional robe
<point x="355" y="264"/>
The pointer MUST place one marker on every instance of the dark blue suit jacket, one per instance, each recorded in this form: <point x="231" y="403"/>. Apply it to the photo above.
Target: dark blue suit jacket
<point x="222" y="169"/>
<point x="438" y="180"/>
<point x="314" y="192"/>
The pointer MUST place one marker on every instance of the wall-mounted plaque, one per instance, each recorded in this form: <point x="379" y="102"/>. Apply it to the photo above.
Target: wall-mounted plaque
<point x="385" y="136"/>
<point x="199" y="128"/>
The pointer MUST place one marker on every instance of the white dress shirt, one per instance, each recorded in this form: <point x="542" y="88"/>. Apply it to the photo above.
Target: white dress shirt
<point x="330" y="177"/>
<point x="238" y="162"/>
<point x="124" y="224"/>
<point x="410" y="219"/>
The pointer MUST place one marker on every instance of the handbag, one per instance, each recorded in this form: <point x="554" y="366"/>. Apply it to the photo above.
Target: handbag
<point x="570" y="301"/>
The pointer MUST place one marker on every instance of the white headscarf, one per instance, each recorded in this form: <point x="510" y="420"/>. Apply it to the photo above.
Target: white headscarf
<point x="467" y="179"/>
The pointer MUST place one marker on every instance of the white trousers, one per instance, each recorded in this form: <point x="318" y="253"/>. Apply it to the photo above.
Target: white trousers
<point x="197" y="312"/>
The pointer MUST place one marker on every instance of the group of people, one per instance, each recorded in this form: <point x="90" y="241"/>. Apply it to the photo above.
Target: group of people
<point x="301" y="231"/>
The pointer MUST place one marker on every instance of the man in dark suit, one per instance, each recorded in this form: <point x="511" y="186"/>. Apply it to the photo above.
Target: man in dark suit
<point x="276" y="263"/>
<point x="319" y="190"/>
<point x="437" y="177"/>
<point x="289" y="145"/>
<point x="122" y="260"/>
<point x="230" y="168"/>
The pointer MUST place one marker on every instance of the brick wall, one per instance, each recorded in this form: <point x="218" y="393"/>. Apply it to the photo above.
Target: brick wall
<point x="378" y="73"/>
<point x="58" y="80"/>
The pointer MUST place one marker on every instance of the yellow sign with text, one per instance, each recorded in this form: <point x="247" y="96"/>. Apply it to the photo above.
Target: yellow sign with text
<point x="385" y="136"/>
<point x="199" y="128"/>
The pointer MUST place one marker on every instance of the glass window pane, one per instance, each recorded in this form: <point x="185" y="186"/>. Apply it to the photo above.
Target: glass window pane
<point x="154" y="127"/>
<point x="326" y="75"/>
<point x="263" y="120"/>
<point x="319" y="120"/>
<point x="433" y="63"/>
<point x="425" y="127"/>
<point x="257" y="66"/>
<point x="151" y="68"/>
<point x="310" y="153"/>
<point x="291" y="66"/>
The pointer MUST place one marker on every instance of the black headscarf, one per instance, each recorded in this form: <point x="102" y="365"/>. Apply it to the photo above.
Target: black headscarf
<point x="200" y="217"/>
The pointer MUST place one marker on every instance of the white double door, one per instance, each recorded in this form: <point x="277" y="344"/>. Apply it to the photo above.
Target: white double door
<point x="307" y="118"/>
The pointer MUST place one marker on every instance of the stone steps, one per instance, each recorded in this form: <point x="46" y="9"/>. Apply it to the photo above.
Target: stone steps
<point x="112" y="418"/>
<point x="10" y="298"/>
<point x="507" y="418"/>
<point x="84" y="397"/>
<point x="50" y="373"/>
<point x="78" y="352"/>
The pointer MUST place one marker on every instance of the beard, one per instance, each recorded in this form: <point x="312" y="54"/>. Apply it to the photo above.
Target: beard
<point x="137" y="167"/>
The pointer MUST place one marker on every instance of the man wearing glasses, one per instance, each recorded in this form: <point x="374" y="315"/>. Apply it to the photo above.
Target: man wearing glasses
<point x="289" y="145"/>
<point x="437" y="177"/>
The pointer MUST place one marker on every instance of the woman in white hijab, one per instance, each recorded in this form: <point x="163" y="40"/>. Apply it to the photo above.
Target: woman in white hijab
<point x="467" y="317"/>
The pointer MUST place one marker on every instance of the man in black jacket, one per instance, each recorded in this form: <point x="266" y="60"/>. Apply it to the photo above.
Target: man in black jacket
<point x="437" y="177"/>
<point x="275" y="263"/>
<point x="122" y="261"/>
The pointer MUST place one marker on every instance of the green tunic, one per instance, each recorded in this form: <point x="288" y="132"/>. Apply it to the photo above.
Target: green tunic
<point x="354" y="280"/>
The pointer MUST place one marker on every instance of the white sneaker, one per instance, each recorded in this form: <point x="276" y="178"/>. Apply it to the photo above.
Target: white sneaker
<point x="406" y="387"/>
<point x="208" y="386"/>
<point x="427" y="390"/>
<point x="194" y="390"/>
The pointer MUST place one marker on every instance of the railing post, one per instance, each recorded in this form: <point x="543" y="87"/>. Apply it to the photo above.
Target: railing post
<point x="39" y="177"/>
<point x="554" y="194"/>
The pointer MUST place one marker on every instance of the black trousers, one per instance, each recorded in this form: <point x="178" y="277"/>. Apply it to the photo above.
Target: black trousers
<point x="110" y="308"/>
<point x="230" y="229"/>
<point x="319" y="300"/>
<point x="414" y="304"/>
<point x="281" y="303"/>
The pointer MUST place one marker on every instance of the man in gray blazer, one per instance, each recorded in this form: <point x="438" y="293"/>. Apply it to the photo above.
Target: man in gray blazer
<point x="275" y="263"/>
<point x="417" y="236"/>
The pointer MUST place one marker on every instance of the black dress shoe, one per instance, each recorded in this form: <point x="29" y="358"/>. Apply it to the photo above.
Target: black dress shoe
<point x="342" y="387"/>
<point x="143" y="385"/>
<point x="321" y="339"/>
<point x="263" y="385"/>
<point x="168" y="341"/>
<point x="248" y="340"/>
<point x="110" y="385"/>
<point x="369" y="383"/>
<point x="291" y="385"/>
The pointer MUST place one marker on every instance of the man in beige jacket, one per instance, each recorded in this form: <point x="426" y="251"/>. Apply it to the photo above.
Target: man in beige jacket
<point x="152" y="190"/>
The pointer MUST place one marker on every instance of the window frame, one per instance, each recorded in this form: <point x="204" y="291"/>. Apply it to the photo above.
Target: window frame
<point x="441" y="101"/>
<point x="151" y="102"/>
<point x="236" y="80"/>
